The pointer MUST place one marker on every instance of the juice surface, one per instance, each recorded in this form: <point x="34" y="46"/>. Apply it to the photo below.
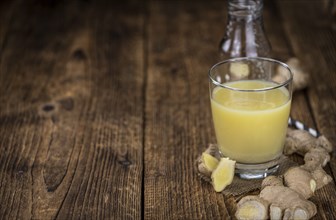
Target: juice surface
<point x="250" y="126"/>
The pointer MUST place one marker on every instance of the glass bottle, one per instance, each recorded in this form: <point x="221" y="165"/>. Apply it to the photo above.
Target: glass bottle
<point x="245" y="35"/>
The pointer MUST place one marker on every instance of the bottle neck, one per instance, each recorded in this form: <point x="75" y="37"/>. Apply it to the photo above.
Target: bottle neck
<point x="244" y="35"/>
<point x="245" y="10"/>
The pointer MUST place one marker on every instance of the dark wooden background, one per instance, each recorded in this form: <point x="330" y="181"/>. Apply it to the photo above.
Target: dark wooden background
<point x="104" y="105"/>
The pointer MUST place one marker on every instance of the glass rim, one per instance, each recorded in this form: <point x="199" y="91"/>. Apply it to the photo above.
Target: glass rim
<point x="283" y="84"/>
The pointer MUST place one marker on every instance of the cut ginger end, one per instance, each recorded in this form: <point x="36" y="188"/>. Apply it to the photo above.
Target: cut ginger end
<point x="209" y="161"/>
<point x="223" y="175"/>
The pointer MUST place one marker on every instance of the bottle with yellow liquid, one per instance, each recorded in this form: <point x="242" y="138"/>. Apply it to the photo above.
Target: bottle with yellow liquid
<point x="250" y="109"/>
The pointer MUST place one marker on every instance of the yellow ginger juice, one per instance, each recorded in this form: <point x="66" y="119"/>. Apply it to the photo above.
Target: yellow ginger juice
<point x="250" y="126"/>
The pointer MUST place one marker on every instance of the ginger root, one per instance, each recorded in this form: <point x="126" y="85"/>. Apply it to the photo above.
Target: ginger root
<point x="287" y="203"/>
<point x="315" y="152"/>
<point x="307" y="184"/>
<point x="279" y="201"/>
<point x="287" y="198"/>
<point x="286" y="207"/>
<point x="300" y="78"/>
<point x="300" y="142"/>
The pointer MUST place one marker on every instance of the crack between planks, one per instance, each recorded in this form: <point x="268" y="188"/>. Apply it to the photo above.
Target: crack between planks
<point x="144" y="100"/>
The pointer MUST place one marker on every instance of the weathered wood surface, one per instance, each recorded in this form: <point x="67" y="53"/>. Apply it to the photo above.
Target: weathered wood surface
<point x="71" y="112"/>
<point x="104" y="105"/>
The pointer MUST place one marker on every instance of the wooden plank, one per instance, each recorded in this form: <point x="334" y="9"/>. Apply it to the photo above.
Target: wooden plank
<point x="71" y="111"/>
<point x="182" y="45"/>
<point x="313" y="41"/>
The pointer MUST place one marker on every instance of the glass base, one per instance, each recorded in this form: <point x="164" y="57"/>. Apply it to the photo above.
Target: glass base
<point x="256" y="171"/>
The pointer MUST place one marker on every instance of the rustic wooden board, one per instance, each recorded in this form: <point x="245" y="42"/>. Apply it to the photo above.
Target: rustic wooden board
<point x="71" y="111"/>
<point x="104" y="106"/>
<point x="182" y="44"/>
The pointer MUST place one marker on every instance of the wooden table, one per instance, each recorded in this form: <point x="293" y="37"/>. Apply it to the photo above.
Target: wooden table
<point x="104" y="105"/>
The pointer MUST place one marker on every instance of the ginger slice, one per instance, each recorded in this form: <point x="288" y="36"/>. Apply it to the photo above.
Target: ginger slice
<point x="252" y="207"/>
<point x="209" y="161"/>
<point x="222" y="176"/>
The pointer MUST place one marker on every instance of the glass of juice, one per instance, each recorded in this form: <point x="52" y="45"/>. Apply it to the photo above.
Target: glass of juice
<point x="250" y="103"/>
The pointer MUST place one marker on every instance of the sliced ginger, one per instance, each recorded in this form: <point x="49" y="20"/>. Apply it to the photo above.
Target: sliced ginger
<point x="252" y="206"/>
<point x="209" y="161"/>
<point x="221" y="170"/>
<point x="222" y="176"/>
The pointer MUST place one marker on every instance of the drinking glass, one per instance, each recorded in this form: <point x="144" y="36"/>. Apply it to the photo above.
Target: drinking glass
<point x="250" y="103"/>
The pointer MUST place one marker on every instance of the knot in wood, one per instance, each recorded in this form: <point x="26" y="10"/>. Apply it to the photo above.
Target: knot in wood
<point x="123" y="159"/>
<point x="79" y="54"/>
<point x="48" y="107"/>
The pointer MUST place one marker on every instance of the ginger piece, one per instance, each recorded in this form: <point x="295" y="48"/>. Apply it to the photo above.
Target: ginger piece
<point x="272" y="181"/>
<point x="300" y="77"/>
<point x="290" y="201"/>
<point x="301" y="181"/>
<point x="283" y="203"/>
<point x="275" y="211"/>
<point x="321" y="178"/>
<point x="207" y="164"/>
<point x="315" y="151"/>
<point x="210" y="162"/>
<point x="221" y="170"/>
<point x="316" y="158"/>
<point x="300" y="213"/>
<point x="223" y="175"/>
<point x="300" y="142"/>
<point x="252" y="207"/>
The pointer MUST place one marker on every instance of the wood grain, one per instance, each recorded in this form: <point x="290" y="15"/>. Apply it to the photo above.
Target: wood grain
<point x="71" y="111"/>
